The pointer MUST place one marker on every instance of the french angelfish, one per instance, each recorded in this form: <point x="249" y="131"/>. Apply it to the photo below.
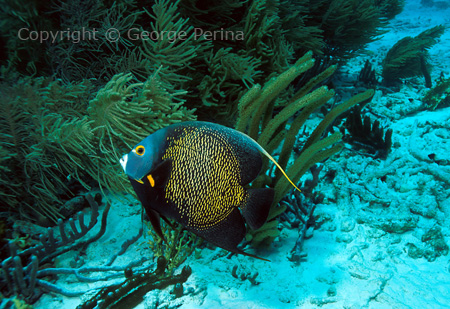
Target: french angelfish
<point x="195" y="173"/>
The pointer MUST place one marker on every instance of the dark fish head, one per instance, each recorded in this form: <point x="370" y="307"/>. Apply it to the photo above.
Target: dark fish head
<point x="144" y="156"/>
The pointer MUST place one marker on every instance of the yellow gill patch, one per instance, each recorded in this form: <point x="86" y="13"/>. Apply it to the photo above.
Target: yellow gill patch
<point x="151" y="180"/>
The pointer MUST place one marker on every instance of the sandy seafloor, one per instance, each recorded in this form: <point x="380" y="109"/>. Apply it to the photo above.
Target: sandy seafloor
<point x="352" y="262"/>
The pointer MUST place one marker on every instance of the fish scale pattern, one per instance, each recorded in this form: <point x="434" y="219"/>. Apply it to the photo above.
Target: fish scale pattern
<point x="205" y="184"/>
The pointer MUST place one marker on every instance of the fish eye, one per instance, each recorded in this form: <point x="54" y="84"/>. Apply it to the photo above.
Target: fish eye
<point x="140" y="150"/>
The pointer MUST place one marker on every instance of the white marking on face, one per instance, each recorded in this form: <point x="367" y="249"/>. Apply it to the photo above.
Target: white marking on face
<point x="123" y="161"/>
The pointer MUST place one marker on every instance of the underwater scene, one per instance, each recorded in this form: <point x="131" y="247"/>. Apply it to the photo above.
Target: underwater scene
<point x="224" y="154"/>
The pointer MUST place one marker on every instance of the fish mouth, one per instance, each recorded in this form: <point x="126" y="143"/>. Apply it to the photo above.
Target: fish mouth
<point x="123" y="161"/>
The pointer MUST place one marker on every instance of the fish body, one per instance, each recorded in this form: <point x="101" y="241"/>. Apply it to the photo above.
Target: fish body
<point x="196" y="174"/>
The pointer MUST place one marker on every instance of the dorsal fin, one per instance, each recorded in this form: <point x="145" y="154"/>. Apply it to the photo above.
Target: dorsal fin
<point x="264" y="152"/>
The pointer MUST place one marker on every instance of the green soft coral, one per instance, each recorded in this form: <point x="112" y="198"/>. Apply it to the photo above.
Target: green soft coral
<point x="178" y="244"/>
<point x="123" y="113"/>
<point x="29" y="123"/>
<point x="176" y="46"/>
<point x="438" y="96"/>
<point x="228" y="72"/>
<point x="272" y="34"/>
<point x="348" y="26"/>
<point x="408" y="57"/>
<point x="274" y="131"/>
<point x="51" y="138"/>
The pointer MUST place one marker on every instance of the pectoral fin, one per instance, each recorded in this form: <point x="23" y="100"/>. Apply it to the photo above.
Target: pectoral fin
<point x="155" y="220"/>
<point x="159" y="176"/>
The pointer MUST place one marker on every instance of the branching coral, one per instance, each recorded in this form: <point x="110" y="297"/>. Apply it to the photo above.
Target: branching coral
<point x="29" y="281"/>
<point x="130" y="293"/>
<point x="90" y="52"/>
<point x="178" y="245"/>
<point x="265" y="37"/>
<point x="261" y="35"/>
<point x="175" y="47"/>
<point x="299" y="28"/>
<point x="21" y="280"/>
<point x="368" y="136"/>
<point x="303" y="211"/>
<point x="366" y="76"/>
<point x="25" y="56"/>
<point x="229" y="72"/>
<point x="390" y="8"/>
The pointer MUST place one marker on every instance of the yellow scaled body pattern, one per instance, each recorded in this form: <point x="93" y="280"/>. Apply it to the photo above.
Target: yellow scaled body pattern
<point x="204" y="184"/>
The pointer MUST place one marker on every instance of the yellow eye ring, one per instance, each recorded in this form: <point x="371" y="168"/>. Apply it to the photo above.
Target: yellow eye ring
<point x="140" y="150"/>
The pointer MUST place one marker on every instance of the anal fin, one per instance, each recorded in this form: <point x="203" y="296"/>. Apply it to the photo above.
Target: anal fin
<point x="227" y="234"/>
<point x="238" y="251"/>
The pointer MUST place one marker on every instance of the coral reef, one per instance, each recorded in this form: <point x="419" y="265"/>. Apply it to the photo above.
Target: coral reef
<point x="258" y="38"/>
<point x="95" y="101"/>
<point x="70" y="110"/>
<point x="109" y="94"/>
<point x="304" y="214"/>
<point x="78" y="49"/>
<point x="37" y="117"/>
<point x="299" y="212"/>
<point x="30" y="281"/>
<point x="348" y="26"/>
